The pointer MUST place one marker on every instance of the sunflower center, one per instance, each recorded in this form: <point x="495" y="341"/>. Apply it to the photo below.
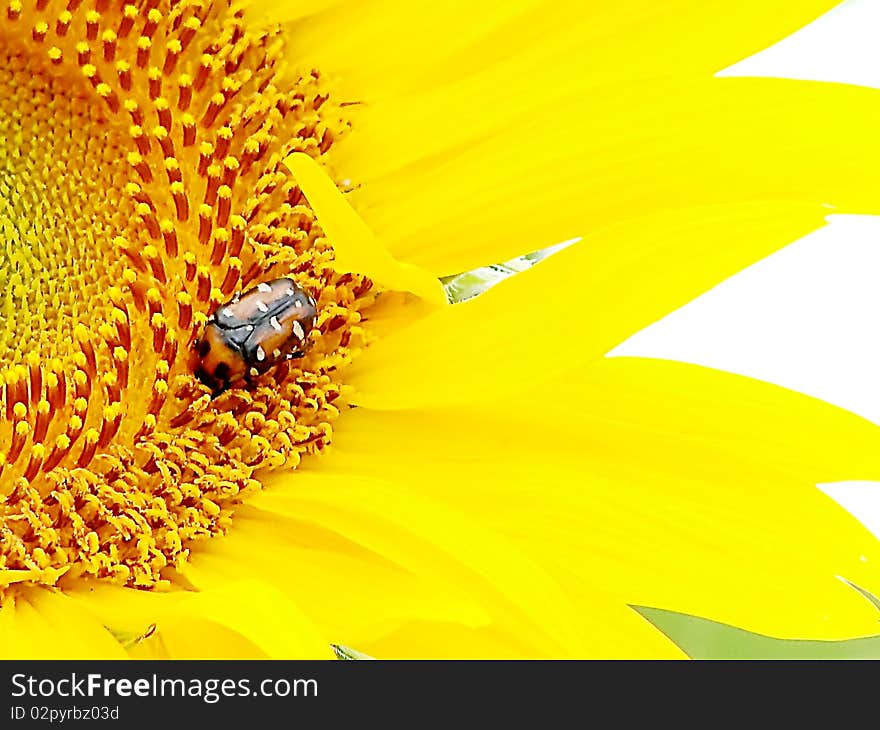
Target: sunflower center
<point x="141" y="186"/>
<point x="56" y="260"/>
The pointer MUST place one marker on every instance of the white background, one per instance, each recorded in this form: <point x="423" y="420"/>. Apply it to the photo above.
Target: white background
<point x="808" y="317"/>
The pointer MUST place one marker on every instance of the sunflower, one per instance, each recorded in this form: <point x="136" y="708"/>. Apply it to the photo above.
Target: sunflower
<point x="427" y="480"/>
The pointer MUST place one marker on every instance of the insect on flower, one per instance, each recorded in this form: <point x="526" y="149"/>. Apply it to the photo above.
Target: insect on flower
<point x="253" y="332"/>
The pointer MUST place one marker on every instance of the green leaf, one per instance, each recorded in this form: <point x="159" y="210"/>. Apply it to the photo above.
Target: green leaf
<point x="469" y="284"/>
<point x="347" y="653"/>
<point x="461" y="287"/>
<point x="129" y="639"/>
<point x="700" y="638"/>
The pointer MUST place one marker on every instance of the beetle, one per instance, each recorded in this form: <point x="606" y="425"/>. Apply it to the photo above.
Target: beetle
<point x="253" y="332"/>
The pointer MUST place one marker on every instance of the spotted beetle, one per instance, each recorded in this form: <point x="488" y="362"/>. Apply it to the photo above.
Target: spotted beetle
<point x="253" y="332"/>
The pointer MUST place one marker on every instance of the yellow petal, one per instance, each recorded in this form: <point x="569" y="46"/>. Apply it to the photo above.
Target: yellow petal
<point x="686" y="489"/>
<point x="242" y="618"/>
<point x="426" y="537"/>
<point x="572" y="307"/>
<point x="45" y="624"/>
<point x="568" y="171"/>
<point x="352" y="594"/>
<point x="381" y="47"/>
<point x="149" y="625"/>
<point x="9" y="577"/>
<point x="270" y="12"/>
<point x="551" y="63"/>
<point x="190" y="637"/>
<point x="355" y="247"/>
<point x="743" y="420"/>
<point x="425" y="639"/>
<point x="431" y="640"/>
<point x="374" y="47"/>
<point x="474" y="146"/>
<point x="259" y="613"/>
<point x="540" y="122"/>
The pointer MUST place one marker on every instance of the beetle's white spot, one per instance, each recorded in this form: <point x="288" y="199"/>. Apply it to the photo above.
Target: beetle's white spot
<point x="261" y="354"/>
<point x="250" y="328"/>
<point x="298" y="330"/>
<point x="262" y="306"/>
<point x="276" y="325"/>
<point x="226" y="312"/>
<point x="263" y="287"/>
<point x="290" y="292"/>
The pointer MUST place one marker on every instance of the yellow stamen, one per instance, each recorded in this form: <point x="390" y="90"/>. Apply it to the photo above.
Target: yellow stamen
<point x="141" y="185"/>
